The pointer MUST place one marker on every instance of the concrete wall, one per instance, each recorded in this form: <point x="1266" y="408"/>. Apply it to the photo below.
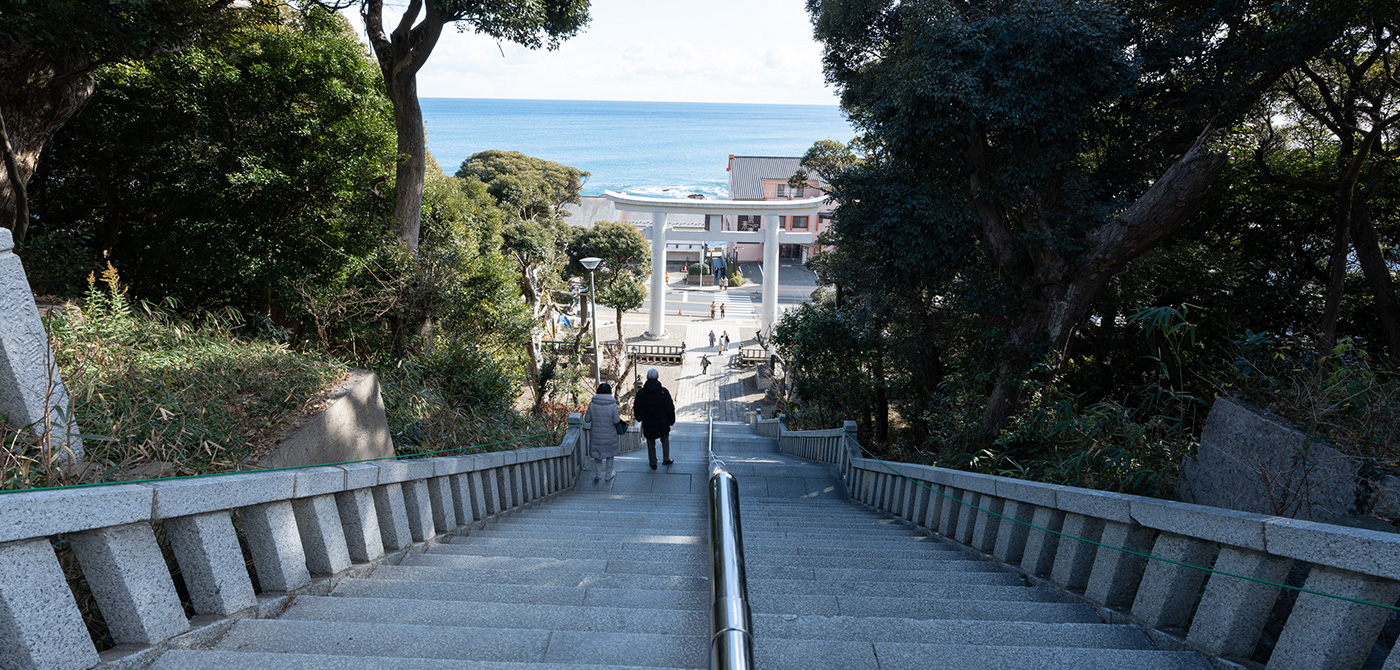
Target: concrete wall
<point x="1104" y="548"/>
<point x="352" y="428"/>
<point x="1257" y="463"/>
<point x="30" y="387"/>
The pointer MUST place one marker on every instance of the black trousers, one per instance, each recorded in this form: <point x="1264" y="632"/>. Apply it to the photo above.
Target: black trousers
<point x="665" y="448"/>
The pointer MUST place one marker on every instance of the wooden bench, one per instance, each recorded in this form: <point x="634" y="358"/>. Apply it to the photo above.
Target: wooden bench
<point x="752" y="356"/>
<point x="657" y="353"/>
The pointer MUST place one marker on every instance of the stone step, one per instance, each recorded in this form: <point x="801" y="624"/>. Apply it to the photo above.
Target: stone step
<point x="521" y="557"/>
<point x="923" y="589"/>
<point x="692" y="544"/>
<point x="1044" y="610"/>
<point x="519" y="593"/>
<point x="951" y="631"/>
<point x="699" y="566"/>
<point x="560" y="578"/>
<point x="922" y="545"/>
<point x="468" y="614"/>
<point x="468" y="644"/>
<point x="625" y="534"/>
<point x="614" y="535"/>
<point x="842" y="655"/>
<point x="184" y="659"/>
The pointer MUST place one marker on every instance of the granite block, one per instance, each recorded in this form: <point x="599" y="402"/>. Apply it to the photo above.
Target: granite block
<point x="318" y="482"/>
<point x="187" y="497"/>
<point x="1241" y="529"/>
<point x="39" y="513"/>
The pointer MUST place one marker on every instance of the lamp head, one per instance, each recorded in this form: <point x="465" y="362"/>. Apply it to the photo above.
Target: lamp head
<point x="591" y="262"/>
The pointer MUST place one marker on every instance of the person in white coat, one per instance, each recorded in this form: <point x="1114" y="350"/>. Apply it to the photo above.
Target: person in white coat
<point x="603" y="442"/>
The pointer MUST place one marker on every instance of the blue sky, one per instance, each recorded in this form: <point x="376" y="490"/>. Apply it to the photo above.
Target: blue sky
<point x="758" y="51"/>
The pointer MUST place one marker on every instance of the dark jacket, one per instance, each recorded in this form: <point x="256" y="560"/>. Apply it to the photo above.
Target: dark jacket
<point x="655" y="409"/>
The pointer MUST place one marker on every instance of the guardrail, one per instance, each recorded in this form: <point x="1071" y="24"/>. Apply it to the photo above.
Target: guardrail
<point x="304" y="528"/>
<point x="658" y="352"/>
<point x="731" y="621"/>
<point x="1194" y="577"/>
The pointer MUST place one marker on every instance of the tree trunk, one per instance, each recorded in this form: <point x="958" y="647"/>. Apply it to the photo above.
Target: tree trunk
<point x="18" y="185"/>
<point x="1058" y="295"/>
<point x="1368" y="251"/>
<point x="412" y="158"/>
<point x="619" y="330"/>
<point x="1336" y="271"/>
<point x="38" y="100"/>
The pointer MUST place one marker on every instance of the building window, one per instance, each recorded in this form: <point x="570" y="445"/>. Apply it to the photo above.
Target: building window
<point x="799" y="223"/>
<point x="748" y="223"/>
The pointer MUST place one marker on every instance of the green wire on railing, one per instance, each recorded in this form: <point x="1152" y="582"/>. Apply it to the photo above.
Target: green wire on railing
<point x="1125" y="550"/>
<point x="290" y="467"/>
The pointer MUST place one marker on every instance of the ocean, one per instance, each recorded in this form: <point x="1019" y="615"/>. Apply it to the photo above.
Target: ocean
<point x="643" y="148"/>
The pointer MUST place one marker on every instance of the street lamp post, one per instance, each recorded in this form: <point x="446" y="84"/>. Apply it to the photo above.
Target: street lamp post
<point x="591" y="263"/>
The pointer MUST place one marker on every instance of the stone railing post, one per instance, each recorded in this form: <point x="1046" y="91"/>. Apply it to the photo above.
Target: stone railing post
<point x="31" y="392"/>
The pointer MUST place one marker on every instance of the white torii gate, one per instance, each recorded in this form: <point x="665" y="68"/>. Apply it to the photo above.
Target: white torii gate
<point x="769" y="234"/>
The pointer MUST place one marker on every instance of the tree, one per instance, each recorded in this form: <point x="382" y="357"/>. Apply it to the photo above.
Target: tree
<point x="51" y="49"/>
<point x="220" y="173"/>
<point x="1059" y="141"/>
<point x="1349" y="97"/>
<point x="403" y="50"/>
<point x="528" y="188"/>
<point x="625" y="255"/>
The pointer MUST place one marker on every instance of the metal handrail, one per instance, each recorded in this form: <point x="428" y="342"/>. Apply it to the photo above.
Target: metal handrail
<point x="731" y="622"/>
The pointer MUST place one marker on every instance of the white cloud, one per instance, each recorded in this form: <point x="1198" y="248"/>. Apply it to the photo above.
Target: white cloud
<point x="721" y="51"/>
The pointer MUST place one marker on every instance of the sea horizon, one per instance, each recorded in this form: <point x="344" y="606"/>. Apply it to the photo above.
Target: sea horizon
<point x="654" y="148"/>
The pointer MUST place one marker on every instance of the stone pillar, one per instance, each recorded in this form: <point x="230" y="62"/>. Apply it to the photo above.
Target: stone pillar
<point x="967" y="517"/>
<point x="1012" y="531"/>
<point x="30" y="387"/>
<point x="1075" y="558"/>
<point x="1168" y="591"/>
<point x="444" y="507"/>
<point x="948" y="512"/>
<point x="1324" y="632"/>
<point x="1233" y="611"/>
<point x="419" y="508"/>
<point x="770" y="275"/>
<point x="984" y="537"/>
<point x="360" y="522"/>
<point x="133" y="588"/>
<point x="1038" y="557"/>
<point x="40" y="625"/>
<point x="479" y="509"/>
<point x="211" y="562"/>
<point x="275" y="543"/>
<point x="1114" y="579"/>
<point x="393" y="518"/>
<point x="657" y="327"/>
<point x="322" y="534"/>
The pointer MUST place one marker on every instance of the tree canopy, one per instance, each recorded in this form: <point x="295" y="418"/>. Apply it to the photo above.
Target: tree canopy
<point x="404" y="49"/>
<point x="1021" y="153"/>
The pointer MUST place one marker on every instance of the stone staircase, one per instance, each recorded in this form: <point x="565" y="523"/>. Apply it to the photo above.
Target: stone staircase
<point x="837" y="585"/>
<point x="614" y="575"/>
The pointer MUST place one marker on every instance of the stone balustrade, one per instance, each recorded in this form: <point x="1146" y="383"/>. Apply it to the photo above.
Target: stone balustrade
<point x="1180" y="607"/>
<point x="304" y="529"/>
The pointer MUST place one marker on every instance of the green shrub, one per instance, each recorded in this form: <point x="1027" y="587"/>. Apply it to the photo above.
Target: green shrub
<point x="736" y="278"/>
<point x="698" y="269"/>
<point x="157" y="395"/>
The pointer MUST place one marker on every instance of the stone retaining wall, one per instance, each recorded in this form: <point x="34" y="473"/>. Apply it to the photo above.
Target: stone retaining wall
<point x="352" y="428"/>
<point x="305" y="529"/>
<point x="1216" y="614"/>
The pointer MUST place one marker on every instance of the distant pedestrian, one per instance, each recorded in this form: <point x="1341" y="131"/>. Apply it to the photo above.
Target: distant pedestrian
<point x="725" y="338"/>
<point x="704" y="365"/>
<point x="712" y="338"/>
<point x="721" y="310"/>
<point x="603" y="444"/>
<point x="712" y="309"/>
<point x="721" y="345"/>
<point x="657" y="413"/>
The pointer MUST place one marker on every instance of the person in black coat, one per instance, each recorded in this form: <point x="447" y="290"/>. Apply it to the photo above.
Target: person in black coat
<point x="657" y="413"/>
